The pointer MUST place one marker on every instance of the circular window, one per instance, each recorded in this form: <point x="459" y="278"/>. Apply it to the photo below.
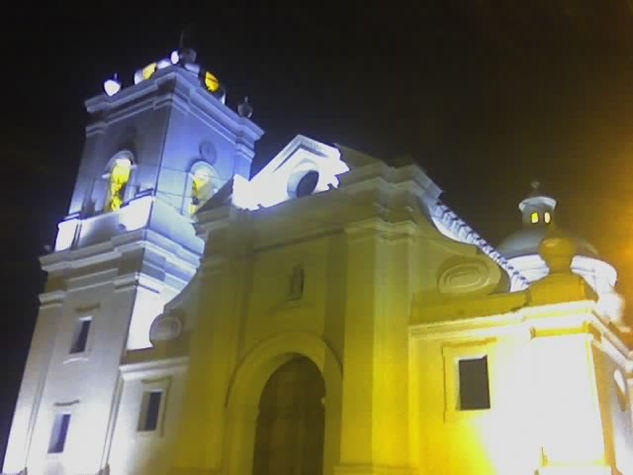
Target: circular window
<point x="307" y="183"/>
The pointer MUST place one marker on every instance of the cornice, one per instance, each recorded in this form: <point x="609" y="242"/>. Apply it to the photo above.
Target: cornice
<point x="52" y="298"/>
<point x="568" y="318"/>
<point x="171" y="86"/>
<point x="179" y="362"/>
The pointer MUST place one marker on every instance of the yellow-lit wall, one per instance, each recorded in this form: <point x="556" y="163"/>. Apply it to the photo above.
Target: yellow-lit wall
<point x="546" y="413"/>
<point x="388" y="307"/>
<point x="616" y="407"/>
<point x="352" y="321"/>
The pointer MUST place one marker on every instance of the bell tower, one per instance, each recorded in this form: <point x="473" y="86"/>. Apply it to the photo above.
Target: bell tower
<point x="154" y="152"/>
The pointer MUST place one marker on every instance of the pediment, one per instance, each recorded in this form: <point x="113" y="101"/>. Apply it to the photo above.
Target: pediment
<point x="305" y="166"/>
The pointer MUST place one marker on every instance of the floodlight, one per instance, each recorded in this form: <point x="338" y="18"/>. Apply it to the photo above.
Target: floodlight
<point x="112" y="86"/>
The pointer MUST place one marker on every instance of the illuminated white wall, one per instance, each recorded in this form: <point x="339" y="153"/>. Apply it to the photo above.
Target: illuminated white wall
<point x="134" y="451"/>
<point x="120" y="267"/>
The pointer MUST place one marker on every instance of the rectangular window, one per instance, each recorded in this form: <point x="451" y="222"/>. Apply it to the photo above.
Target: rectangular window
<point x="58" y="434"/>
<point x="150" y="411"/>
<point x="80" y="336"/>
<point x="473" y="384"/>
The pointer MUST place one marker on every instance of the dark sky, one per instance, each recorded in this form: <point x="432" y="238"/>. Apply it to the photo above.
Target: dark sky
<point x="484" y="95"/>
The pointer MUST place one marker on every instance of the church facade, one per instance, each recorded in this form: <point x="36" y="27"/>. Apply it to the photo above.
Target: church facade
<point x="328" y="315"/>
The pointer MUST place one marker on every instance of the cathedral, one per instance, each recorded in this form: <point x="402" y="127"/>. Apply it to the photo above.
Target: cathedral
<point x="327" y="315"/>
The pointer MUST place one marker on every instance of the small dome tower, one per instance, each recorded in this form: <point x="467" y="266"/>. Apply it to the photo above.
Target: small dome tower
<point x="521" y="248"/>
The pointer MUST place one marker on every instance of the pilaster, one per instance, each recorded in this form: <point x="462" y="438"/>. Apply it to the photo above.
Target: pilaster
<point x="375" y="432"/>
<point x="215" y="346"/>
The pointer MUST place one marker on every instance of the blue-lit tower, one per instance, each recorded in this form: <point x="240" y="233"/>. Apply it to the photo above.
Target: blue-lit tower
<point x="154" y="152"/>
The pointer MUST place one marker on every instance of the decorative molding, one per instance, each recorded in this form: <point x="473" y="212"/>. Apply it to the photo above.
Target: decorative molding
<point x="278" y="180"/>
<point x="52" y="298"/>
<point x="466" y="276"/>
<point x="128" y="370"/>
<point x="166" y="327"/>
<point x="66" y="404"/>
<point x="453" y="227"/>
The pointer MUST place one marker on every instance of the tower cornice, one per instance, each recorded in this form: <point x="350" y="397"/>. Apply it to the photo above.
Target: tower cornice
<point x="172" y="85"/>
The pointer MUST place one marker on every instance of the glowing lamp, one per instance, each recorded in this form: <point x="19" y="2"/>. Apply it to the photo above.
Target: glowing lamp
<point x="174" y="57"/>
<point x="112" y="86"/>
<point x="149" y="70"/>
<point x="211" y="82"/>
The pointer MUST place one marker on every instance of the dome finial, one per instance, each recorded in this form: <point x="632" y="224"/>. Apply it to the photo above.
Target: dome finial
<point x="185" y="53"/>
<point x="245" y="109"/>
<point x="535" y="184"/>
<point x="537" y="208"/>
<point x="557" y="250"/>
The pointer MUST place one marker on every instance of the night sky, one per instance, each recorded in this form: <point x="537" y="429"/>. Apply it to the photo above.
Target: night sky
<point x="486" y="96"/>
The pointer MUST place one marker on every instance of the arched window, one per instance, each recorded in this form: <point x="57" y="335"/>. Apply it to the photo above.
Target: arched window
<point x="203" y="181"/>
<point x="118" y="178"/>
<point x="547" y="217"/>
<point x="534" y="217"/>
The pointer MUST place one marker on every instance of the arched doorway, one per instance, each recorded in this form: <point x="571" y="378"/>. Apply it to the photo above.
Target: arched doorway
<point x="290" y="424"/>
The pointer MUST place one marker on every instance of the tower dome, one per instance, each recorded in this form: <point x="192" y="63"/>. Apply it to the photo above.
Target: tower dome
<point x="521" y="248"/>
<point x="538" y="213"/>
